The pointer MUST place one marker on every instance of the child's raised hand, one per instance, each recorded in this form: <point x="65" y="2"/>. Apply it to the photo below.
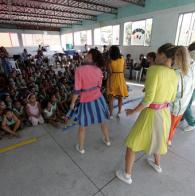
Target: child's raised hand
<point x="129" y="111"/>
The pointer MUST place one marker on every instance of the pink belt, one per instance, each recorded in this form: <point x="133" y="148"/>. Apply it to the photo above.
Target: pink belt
<point x="157" y="106"/>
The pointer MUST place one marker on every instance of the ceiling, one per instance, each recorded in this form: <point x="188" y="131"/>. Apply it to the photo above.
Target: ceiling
<point x="56" y="14"/>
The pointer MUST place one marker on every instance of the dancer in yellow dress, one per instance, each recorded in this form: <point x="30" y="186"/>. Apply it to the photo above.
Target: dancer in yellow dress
<point x="116" y="82"/>
<point x="151" y="130"/>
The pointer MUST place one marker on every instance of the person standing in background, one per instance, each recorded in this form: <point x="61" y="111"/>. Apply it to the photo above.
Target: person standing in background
<point x="7" y="68"/>
<point x="151" y="56"/>
<point x="129" y="65"/>
<point x="188" y="115"/>
<point x="116" y="85"/>
<point x="185" y="88"/>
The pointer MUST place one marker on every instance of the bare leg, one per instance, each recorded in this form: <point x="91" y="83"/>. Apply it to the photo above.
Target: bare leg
<point x="120" y="102"/>
<point x="129" y="161"/>
<point x="81" y="137"/>
<point x="105" y="131"/>
<point x="157" y="159"/>
<point x="111" y="99"/>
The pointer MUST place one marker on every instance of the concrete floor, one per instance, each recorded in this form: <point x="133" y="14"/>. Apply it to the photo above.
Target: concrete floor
<point x="52" y="167"/>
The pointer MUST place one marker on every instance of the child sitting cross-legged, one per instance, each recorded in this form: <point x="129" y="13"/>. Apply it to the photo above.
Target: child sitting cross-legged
<point x="10" y="123"/>
<point x="33" y="110"/>
<point x="61" y="116"/>
<point x="19" y="111"/>
<point x="49" y="114"/>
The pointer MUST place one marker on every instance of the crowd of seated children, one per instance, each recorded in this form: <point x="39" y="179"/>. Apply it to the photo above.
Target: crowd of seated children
<point x="37" y="94"/>
<point x="34" y="96"/>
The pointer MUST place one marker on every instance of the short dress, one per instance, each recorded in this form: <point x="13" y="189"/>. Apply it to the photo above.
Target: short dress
<point x="151" y="130"/>
<point x="92" y="108"/>
<point x="116" y="84"/>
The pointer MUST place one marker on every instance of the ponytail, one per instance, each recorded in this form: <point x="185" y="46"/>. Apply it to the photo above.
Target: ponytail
<point x="179" y="55"/>
<point x="182" y="59"/>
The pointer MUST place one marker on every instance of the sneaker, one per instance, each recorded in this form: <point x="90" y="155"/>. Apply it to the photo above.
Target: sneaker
<point x="118" y="115"/>
<point x="78" y="149"/>
<point x="111" y="117"/>
<point x="182" y="124"/>
<point x="107" y="143"/>
<point x="169" y="143"/>
<point x="121" y="175"/>
<point x="189" y="128"/>
<point x="157" y="168"/>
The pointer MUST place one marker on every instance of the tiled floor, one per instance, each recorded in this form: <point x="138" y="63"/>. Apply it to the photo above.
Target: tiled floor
<point x="52" y="167"/>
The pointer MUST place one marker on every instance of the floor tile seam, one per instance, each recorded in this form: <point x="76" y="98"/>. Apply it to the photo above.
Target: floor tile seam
<point x="98" y="192"/>
<point x="105" y="185"/>
<point x="181" y="157"/>
<point x="77" y="165"/>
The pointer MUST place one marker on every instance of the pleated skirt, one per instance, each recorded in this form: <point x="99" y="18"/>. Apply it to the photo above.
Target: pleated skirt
<point x="90" y="113"/>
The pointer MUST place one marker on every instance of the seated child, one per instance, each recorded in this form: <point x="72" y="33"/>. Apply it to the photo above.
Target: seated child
<point x="18" y="109"/>
<point x="55" y="107"/>
<point x="33" y="110"/>
<point x="10" y="123"/>
<point x="2" y="108"/>
<point x="8" y="101"/>
<point x="20" y="82"/>
<point x="50" y="114"/>
<point x="14" y="93"/>
<point x="62" y="104"/>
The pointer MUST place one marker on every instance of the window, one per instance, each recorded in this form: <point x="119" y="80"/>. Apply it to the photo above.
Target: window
<point x="9" y="40"/>
<point x="53" y="41"/>
<point x="82" y="37"/>
<point x="108" y="35"/>
<point x="138" y="33"/>
<point x="67" y="40"/>
<point x="186" y="29"/>
<point x="32" y="39"/>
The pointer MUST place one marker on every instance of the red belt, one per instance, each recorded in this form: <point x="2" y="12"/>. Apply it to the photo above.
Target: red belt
<point x="157" y="106"/>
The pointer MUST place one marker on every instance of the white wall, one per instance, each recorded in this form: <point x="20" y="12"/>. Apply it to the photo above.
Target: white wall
<point x="31" y="49"/>
<point x="163" y="31"/>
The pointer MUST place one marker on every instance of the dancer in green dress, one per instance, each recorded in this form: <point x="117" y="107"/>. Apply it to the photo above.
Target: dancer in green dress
<point x="151" y="130"/>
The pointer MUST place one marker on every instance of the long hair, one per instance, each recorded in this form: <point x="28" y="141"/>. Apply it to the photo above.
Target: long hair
<point x="97" y="57"/>
<point x="182" y="59"/>
<point x="178" y="54"/>
<point x="114" y="53"/>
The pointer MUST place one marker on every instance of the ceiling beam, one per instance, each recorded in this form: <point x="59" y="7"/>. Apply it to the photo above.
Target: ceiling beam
<point x="44" y="16"/>
<point x="35" y="22"/>
<point x="81" y="4"/>
<point x="20" y="8"/>
<point x="40" y="15"/>
<point x="136" y="2"/>
<point x="19" y="23"/>
<point x="49" y="7"/>
<point x="42" y="28"/>
<point x="51" y="14"/>
<point x="29" y="27"/>
<point x="33" y="19"/>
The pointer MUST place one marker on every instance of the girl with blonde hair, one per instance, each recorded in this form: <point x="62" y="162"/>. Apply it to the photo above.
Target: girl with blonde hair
<point x="186" y="75"/>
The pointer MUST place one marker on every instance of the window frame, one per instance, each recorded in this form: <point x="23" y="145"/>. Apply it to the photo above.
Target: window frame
<point x="101" y="44"/>
<point x="133" y="21"/>
<point x="179" y="28"/>
<point x="80" y="37"/>
<point x="10" y="39"/>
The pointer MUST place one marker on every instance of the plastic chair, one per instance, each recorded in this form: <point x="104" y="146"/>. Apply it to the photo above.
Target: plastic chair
<point x="138" y="74"/>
